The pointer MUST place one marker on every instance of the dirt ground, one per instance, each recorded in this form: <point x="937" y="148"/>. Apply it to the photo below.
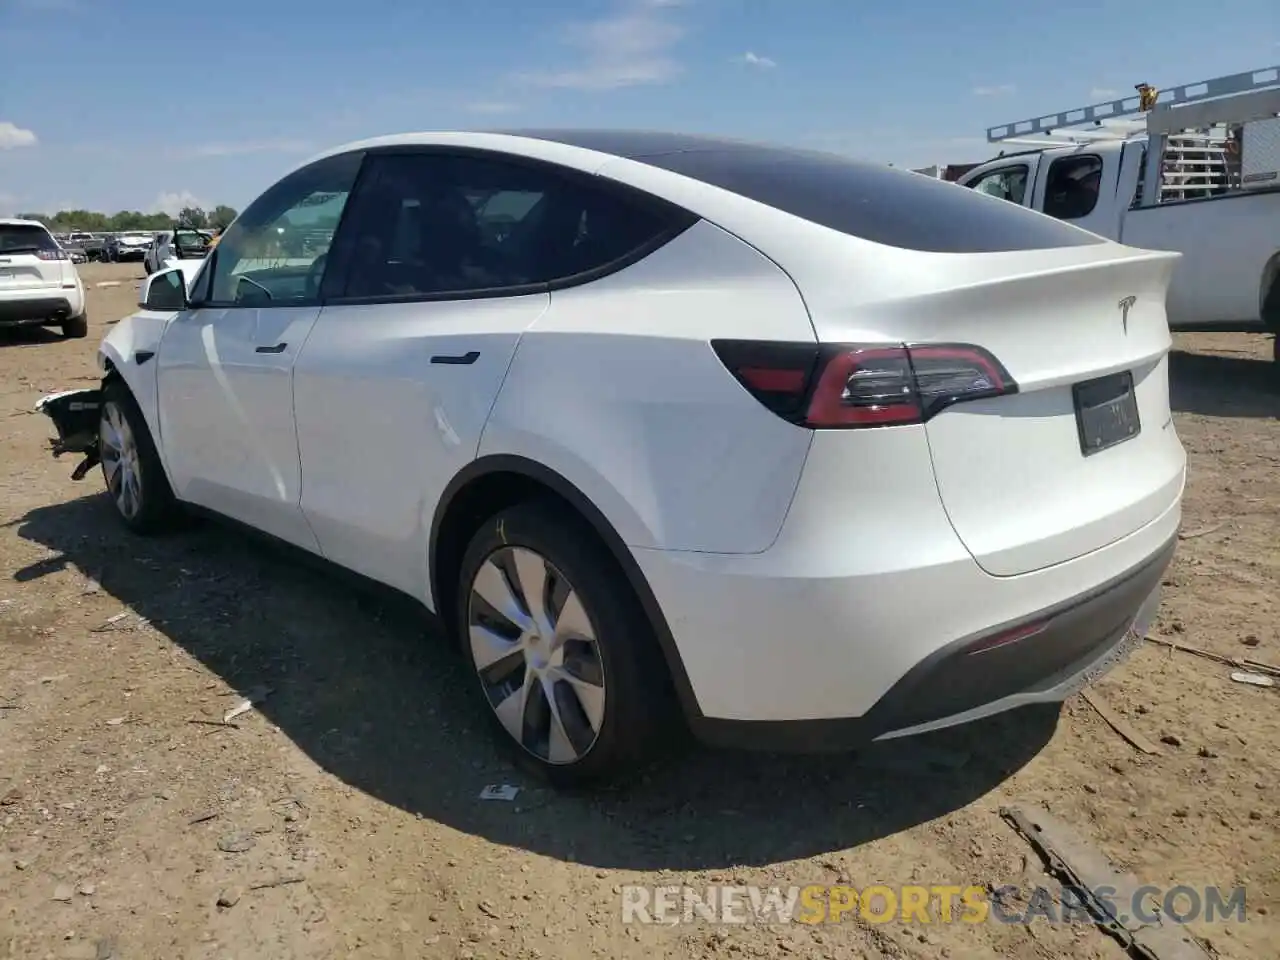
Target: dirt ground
<point x="341" y="817"/>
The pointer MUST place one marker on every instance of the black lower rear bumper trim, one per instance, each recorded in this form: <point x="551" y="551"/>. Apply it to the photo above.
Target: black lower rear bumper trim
<point x="1049" y="656"/>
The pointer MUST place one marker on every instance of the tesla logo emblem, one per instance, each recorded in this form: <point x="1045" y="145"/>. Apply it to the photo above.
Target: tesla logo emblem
<point x="1125" y="305"/>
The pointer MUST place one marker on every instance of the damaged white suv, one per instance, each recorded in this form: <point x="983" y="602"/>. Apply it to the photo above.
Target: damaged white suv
<point x="800" y="451"/>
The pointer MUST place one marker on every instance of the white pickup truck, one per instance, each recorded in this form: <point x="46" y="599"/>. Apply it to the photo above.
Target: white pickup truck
<point x="1229" y="275"/>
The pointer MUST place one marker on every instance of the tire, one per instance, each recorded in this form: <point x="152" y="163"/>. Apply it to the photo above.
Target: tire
<point x="616" y="703"/>
<point x="76" y="328"/>
<point x="146" y="505"/>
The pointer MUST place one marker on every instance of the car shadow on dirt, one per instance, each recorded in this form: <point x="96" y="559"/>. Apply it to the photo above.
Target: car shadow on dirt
<point x="1224" y="386"/>
<point x="372" y="695"/>
<point x="29" y="336"/>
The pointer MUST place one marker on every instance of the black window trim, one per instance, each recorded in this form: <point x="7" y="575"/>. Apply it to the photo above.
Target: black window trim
<point x="1073" y="158"/>
<point x="336" y="270"/>
<point x="211" y="260"/>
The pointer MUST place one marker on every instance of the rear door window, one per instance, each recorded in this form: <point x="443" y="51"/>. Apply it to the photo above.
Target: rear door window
<point x="1071" y="189"/>
<point x="442" y="225"/>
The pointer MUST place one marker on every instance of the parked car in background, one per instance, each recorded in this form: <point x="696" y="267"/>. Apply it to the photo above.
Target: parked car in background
<point x="171" y="246"/>
<point x="90" y="244"/>
<point x="39" y="285"/>
<point x="129" y="246"/>
<point x="75" y="252"/>
<point x="805" y="451"/>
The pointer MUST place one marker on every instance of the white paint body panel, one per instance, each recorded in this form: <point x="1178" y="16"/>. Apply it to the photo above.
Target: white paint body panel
<point x="226" y="415"/>
<point x="802" y="573"/>
<point x="617" y="389"/>
<point x="382" y="430"/>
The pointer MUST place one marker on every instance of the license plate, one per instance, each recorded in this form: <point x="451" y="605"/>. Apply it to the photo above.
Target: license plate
<point x="1106" y="412"/>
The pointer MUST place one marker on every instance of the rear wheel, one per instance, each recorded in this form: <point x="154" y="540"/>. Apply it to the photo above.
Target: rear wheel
<point x="131" y="467"/>
<point x="565" y="660"/>
<point x="75" y="327"/>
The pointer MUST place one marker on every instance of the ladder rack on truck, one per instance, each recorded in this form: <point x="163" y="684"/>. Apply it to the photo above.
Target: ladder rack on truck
<point x="1204" y="137"/>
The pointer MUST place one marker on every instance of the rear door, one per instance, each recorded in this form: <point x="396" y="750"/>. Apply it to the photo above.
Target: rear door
<point x="1081" y="189"/>
<point x="31" y="262"/>
<point x="447" y="258"/>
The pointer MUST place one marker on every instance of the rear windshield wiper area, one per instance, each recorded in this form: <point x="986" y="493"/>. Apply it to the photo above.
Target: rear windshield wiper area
<point x="31" y="249"/>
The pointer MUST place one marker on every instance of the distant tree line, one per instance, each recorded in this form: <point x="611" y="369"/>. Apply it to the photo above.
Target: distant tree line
<point x="69" y="221"/>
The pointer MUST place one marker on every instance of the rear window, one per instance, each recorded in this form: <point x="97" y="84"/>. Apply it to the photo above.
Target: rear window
<point x="880" y="204"/>
<point x="25" y="238"/>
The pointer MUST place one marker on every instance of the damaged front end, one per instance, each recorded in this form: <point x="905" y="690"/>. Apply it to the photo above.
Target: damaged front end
<point x="75" y="415"/>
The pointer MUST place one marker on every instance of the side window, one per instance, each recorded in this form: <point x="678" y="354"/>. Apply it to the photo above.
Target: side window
<point x="1071" y="189"/>
<point x="436" y="225"/>
<point x="1007" y="183"/>
<point x="275" y="252"/>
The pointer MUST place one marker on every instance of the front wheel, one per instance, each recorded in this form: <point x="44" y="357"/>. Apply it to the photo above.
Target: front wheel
<point x="131" y="467"/>
<point x="566" y="662"/>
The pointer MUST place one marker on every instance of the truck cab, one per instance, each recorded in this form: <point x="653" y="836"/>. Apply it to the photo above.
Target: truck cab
<point x="1202" y="178"/>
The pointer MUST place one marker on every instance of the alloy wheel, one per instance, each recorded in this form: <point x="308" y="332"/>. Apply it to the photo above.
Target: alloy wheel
<point x="121" y="465"/>
<point x="536" y="653"/>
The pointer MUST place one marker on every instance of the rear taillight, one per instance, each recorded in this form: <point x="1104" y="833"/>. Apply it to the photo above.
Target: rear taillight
<point x="53" y="255"/>
<point x="863" y="385"/>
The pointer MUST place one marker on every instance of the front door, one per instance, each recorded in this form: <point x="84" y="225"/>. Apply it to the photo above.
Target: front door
<point x="225" y="366"/>
<point x="1012" y="180"/>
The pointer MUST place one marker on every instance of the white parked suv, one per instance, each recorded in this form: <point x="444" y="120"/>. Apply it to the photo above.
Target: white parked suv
<point x="39" y="285"/>
<point x="798" y="451"/>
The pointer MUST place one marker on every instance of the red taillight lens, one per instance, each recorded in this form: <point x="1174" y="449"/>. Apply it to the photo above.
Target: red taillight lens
<point x="863" y="385"/>
<point x="53" y="255"/>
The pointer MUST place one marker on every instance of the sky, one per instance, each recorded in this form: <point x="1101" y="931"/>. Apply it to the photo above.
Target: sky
<point x="119" y="104"/>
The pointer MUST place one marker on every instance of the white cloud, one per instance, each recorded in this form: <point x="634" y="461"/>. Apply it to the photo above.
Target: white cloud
<point x="755" y="60"/>
<point x="172" y="203"/>
<point x="630" y="48"/>
<point x="8" y="204"/>
<point x="13" y="136"/>
<point x="995" y="90"/>
<point x="1103" y="93"/>
<point x="239" y="148"/>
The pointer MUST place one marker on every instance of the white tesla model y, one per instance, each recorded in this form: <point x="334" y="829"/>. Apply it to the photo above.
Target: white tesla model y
<point x="798" y="451"/>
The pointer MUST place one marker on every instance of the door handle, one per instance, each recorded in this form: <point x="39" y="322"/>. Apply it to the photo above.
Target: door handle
<point x="278" y="348"/>
<point x="465" y="358"/>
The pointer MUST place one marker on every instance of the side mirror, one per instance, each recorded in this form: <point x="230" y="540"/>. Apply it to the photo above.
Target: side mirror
<point x="165" y="292"/>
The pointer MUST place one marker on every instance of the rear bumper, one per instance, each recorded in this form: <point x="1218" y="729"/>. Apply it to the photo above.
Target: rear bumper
<point x="36" y="311"/>
<point x="861" y="620"/>
<point x="1043" y="658"/>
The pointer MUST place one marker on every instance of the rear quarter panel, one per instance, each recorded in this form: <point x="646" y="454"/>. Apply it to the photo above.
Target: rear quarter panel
<point x="617" y="389"/>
